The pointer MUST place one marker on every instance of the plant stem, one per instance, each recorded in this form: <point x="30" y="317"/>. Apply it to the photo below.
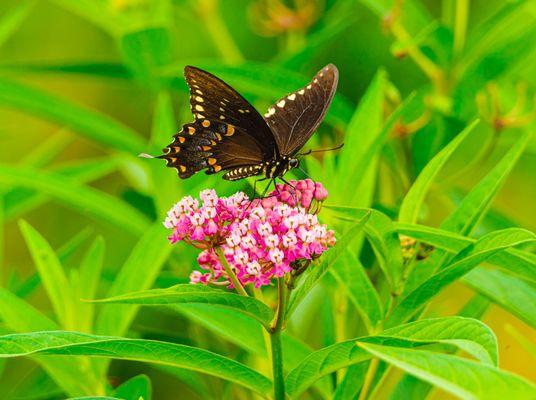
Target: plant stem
<point x="208" y="11"/>
<point x="230" y="273"/>
<point x="373" y="366"/>
<point x="275" y="340"/>
<point x="460" y="25"/>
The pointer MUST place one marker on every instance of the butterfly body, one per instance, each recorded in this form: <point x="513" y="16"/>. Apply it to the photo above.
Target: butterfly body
<point x="229" y="135"/>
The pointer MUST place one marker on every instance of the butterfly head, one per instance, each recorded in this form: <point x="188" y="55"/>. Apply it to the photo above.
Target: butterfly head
<point x="280" y="166"/>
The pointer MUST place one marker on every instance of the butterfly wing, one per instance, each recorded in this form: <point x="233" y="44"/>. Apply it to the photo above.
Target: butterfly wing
<point x="227" y="134"/>
<point x="295" y="117"/>
<point x="213" y="145"/>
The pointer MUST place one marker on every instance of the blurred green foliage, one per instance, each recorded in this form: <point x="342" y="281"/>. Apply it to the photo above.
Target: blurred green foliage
<point x="86" y="85"/>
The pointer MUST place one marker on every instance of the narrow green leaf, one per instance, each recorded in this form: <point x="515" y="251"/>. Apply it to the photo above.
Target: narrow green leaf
<point x="198" y="294"/>
<point x="464" y="378"/>
<point x="138" y="273"/>
<point x="20" y="316"/>
<point x="92" y="124"/>
<point x="471" y="335"/>
<point x="91" y="201"/>
<point x="411" y="205"/>
<point x="350" y="385"/>
<point x="135" y="388"/>
<point x="90" y="274"/>
<point x="509" y="292"/>
<point x="462" y="263"/>
<point x="20" y="200"/>
<point x="151" y="351"/>
<point x="381" y="233"/>
<point x="518" y="262"/>
<point x="11" y="21"/>
<point x="52" y="275"/>
<point x="317" y="270"/>
<point x="351" y="275"/>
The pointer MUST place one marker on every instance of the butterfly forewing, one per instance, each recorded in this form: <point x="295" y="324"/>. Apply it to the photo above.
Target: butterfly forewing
<point x="295" y="117"/>
<point x="213" y="99"/>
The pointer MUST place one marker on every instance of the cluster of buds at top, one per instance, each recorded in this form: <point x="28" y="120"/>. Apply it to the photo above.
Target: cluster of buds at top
<point x="274" y="17"/>
<point x="259" y="240"/>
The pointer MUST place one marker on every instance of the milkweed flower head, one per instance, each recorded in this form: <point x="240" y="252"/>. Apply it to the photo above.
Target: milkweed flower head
<point x="260" y="241"/>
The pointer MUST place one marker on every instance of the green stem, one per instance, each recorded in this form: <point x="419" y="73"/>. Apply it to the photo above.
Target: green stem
<point x="230" y="273"/>
<point x="275" y="340"/>
<point x="460" y="25"/>
<point x="371" y="372"/>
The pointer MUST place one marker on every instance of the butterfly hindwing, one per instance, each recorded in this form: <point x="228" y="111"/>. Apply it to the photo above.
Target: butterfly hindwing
<point x="213" y="145"/>
<point x="295" y="117"/>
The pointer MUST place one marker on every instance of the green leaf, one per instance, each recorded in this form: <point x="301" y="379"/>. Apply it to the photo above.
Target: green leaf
<point x="89" y="274"/>
<point x="381" y="233"/>
<point x="351" y="275"/>
<point x="466" y="218"/>
<point x="463" y="378"/>
<point x="350" y="385"/>
<point x="135" y="388"/>
<point x="412" y="203"/>
<point x="515" y="261"/>
<point x="151" y="351"/>
<point x="362" y="139"/>
<point x="68" y="191"/>
<point x="317" y="270"/>
<point x="188" y="293"/>
<point x="471" y="335"/>
<point x="21" y="316"/>
<point x="13" y="19"/>
<point x="89" y="123"/>
<point x="138" y="273"/>
<point x="462" y="263"/>
<point x="52" y="275"/>
<point x="509" y="292"/>
<point x="144" y="51"/>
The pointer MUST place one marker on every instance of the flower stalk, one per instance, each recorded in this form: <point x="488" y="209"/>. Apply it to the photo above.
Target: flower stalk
<point x="275" y="341"/>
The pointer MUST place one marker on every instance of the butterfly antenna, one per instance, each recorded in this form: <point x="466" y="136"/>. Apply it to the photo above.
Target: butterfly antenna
<point x="321" y="150"/>
<point x="145" y="155"/>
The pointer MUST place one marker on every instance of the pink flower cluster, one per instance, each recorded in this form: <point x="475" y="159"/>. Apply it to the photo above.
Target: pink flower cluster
<point x="259" y="241"/>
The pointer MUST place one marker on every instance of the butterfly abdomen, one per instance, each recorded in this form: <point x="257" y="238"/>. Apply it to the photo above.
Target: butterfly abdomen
<point x="243" y="172"/>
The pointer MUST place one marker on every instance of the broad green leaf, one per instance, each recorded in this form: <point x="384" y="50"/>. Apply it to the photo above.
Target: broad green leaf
<point x="515" y="261"/>
<point x="52" y="276"/>
<point x="92" y="124"/>
<point x="462" y="263"/>
<point x="463" y="378"/>
<point x="380" y="232"/>
<point x="96" y="398"/>
<point x="471" y="335"/>
<point x="412" y="203"/>
<point x="138" y="273"/>
<point x="151" y="351"/>
<point x="188" y="293"/>
<point x="351" y="275"/>
<point x="135" y="388"/>
<point x="81" y="198"/>
<point x="89" y="274"/>
<point x="317" y="269"/>
<point x="509" y="292"/>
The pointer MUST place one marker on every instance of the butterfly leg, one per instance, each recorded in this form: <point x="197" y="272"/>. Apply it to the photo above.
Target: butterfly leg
<point x="294" y="196"/>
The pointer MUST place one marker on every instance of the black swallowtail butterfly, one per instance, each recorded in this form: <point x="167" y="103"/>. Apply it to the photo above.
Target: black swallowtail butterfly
<point x="229" y="135"/>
